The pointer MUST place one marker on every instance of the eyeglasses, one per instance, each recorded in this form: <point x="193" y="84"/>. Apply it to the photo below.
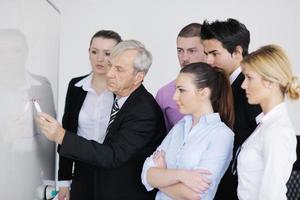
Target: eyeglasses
<point x="234" y="162"/>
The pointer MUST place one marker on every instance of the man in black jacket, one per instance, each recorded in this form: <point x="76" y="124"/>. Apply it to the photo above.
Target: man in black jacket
<point x="225" y="44"/>
<point x="136" y="128"/>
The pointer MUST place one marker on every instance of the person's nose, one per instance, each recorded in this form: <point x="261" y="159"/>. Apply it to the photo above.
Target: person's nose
<point x="110" y="73"/>
<point x="100" y="56"/>
<point x="210" y="59"/>
<point x="186" y="57"/>
<point x="175" y="96"/>
<point x="244" y="84"/>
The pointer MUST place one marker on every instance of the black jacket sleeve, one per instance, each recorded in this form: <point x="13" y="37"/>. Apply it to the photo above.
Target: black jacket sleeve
<point x="66" y="164"/>
<point x="130" y="134"/>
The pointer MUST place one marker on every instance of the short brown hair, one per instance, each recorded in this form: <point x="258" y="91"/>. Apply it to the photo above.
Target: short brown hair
<point x="190" y="30"/>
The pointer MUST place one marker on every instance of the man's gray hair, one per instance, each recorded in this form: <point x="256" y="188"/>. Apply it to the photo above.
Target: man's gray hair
<point x="143" y="59"/>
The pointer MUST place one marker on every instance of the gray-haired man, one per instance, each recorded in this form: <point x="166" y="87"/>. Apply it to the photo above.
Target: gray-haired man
<point x="136" y="130"/>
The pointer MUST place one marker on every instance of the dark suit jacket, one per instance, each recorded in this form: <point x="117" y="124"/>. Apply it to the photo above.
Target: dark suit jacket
<point x="82" y="179"/>
<point x="135" y="133"/>
<point x="74" y="100"/>
<point x="244" y="125"/>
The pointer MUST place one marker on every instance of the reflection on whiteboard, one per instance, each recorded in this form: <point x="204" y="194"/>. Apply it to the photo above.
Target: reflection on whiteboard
<point x="26" y="156"/>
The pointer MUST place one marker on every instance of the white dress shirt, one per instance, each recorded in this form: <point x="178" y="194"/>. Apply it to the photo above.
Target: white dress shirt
<point x="208" y="145"/>
<point x="93" y="116"/>
<point x="267" y="156"/>
<point x="95" y="112"/>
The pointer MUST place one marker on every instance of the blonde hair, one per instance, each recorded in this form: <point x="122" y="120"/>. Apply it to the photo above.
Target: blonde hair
<point x="272" y="63"/>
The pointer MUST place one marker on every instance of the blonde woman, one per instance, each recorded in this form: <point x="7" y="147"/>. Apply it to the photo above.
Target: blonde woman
<point x="266" y="158"/>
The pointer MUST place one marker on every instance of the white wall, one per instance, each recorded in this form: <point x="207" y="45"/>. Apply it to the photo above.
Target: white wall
<point x="40" y="24"/>
<point x="157" y="23"/>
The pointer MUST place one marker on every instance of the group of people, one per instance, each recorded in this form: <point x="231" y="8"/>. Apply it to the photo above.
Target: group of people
<point x="219" y="131"/>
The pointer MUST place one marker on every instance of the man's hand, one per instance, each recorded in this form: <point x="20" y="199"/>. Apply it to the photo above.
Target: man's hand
<point x="64" y="193"/>
<point x="195" y="179"/>
<point x="50" y="127"/>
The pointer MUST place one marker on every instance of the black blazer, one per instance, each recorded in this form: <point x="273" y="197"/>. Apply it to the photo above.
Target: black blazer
<point x="135" y="133"/>
<point x="245" y="113"/>
<point x="244" y="125"/>
<point x="73" y="103"/>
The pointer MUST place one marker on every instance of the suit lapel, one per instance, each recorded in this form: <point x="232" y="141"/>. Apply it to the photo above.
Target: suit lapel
<point x="236" y="85"/>
<point x="125" y="109"/>
<point x="77" y="98"/>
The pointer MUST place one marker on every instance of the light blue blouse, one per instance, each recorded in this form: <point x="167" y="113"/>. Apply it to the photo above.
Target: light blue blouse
<point x="208" y="145"/>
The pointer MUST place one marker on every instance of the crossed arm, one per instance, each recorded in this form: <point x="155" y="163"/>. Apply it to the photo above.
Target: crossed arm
<point x="189" y="183"/>
<point x="177" y="183"/>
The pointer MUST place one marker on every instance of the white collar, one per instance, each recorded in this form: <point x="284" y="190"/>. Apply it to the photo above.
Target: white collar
<point x="277" y="110"/>
<point x="121" y="101"/>
<point x="235" y="74"/>
<point x="86" y="83"/>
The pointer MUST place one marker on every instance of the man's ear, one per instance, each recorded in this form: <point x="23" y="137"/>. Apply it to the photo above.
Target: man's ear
<point x="238" y="51"/>
<point x="139" y="77"/>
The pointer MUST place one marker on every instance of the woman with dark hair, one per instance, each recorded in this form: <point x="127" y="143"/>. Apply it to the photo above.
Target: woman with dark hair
<point x="201" y="140"/>
<point x="87" y="112"/>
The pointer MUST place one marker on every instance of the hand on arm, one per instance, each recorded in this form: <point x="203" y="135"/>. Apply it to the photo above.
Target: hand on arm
<point x="196" y="180"/>
<point x="155" y="174"/>
<point x="159" y="159"/>
<point x="182" y="191"/>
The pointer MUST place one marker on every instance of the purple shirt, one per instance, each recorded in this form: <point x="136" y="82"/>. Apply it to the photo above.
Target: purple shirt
<point x="164" y="98"/>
